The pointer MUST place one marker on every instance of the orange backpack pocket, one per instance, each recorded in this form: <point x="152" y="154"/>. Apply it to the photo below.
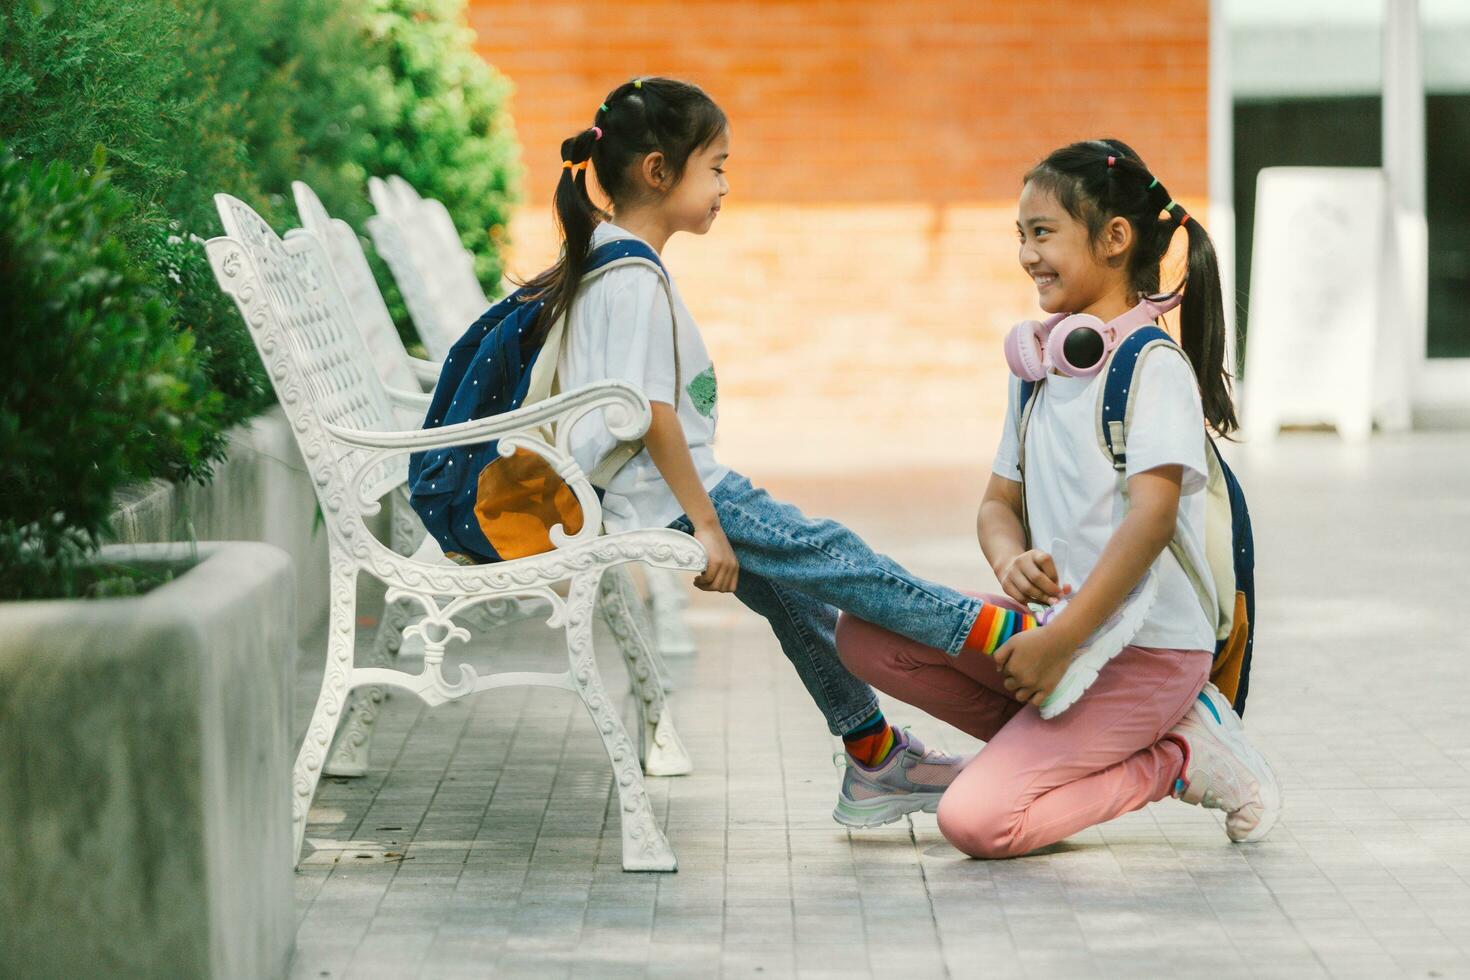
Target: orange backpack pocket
<point x="519" y="499"/>
<point x="1225" y="674"/>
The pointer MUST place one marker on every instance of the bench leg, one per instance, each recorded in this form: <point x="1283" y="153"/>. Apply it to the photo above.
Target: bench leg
<point x="336" y="682"/>
<point x="667" y="601"/>
<point x="644" y="846"/>
<point x="353" y="745"/>
<point x="659" y="745"/>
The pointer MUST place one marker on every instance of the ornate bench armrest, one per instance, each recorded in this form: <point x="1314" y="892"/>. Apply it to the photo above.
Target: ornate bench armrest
<point x="415" y="402"/>
<point x="427" y="372"/>
<point x="627" y="418"/>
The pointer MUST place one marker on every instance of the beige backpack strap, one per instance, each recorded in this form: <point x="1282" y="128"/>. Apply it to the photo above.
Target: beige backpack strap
<point x="1202" y="592"/>
<point x="1205" y="594"/>
<point x="544" y="380"/>
<point x="543" y="372"/>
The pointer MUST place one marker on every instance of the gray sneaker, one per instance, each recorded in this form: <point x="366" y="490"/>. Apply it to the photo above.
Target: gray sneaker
<point x="912" y="779"/>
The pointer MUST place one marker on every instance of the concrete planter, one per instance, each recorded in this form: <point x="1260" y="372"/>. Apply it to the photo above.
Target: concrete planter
<point x="145" y="824"/>
<point x="259" y="492"/>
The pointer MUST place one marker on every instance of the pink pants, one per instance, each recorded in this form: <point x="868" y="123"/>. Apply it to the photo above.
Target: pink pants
<point x="1037" y="782"/>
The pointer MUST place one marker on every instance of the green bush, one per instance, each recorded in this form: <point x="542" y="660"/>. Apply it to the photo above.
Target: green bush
<point x="96" y="388"/>
<point x="136" y="79"/>
<point x="371" y="88"/>
<point x="192" y="97"/>
<point x="452" y="137"/>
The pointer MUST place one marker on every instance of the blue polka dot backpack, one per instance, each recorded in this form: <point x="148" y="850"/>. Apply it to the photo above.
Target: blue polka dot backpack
<point x="481" y="506"/>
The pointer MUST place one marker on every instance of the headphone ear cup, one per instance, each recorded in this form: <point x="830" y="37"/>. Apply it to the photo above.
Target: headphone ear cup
<point x="1074" y="328"/>
<point x="1024" y="353"/>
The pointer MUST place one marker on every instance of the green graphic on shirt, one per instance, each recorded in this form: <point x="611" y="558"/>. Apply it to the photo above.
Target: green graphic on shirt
<point x="704" y="392"/>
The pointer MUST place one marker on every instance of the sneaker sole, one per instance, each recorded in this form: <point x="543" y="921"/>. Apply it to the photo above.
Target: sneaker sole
<point x="1232" y="732"/>
<point x="883" y="809"/>
<point x="1084" y="670"/>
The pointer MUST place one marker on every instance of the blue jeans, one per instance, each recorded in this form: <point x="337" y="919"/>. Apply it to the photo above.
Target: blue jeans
<point x="798" y="572"/>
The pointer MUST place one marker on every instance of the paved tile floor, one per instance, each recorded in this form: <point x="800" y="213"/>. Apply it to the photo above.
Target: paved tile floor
<point x="483" y="841"/>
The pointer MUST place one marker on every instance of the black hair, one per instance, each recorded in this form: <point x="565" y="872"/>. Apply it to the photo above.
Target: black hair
<point x="638" y="117"/>
<point x="1094" y="191"/>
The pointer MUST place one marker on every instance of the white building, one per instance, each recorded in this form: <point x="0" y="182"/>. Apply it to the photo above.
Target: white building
<point x="1359" y="83"/>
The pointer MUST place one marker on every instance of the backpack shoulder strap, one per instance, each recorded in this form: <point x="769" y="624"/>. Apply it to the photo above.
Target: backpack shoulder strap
<point x="1115" y="412"/>
<point x="622" y="252"/>
<point x="611" y="255"/>
<point x="1026" y="392"/>
<point x="618" y="253"/>
<point x="1115" y="400"/>
<point x="618" y="249"/>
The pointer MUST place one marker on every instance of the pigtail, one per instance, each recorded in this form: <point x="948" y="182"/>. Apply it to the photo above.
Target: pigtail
<point x="1202" y="328"/>
<point x="576" y="218"/>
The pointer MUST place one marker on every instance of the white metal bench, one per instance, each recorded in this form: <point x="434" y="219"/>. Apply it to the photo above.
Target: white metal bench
<point x="436" y="275"/>
<point x="667" y="595"/>
<point x="434" y="271"/>
<point x="355" y="449"/>
<point x="401" y="373"/>
<point x="396" y="367"/>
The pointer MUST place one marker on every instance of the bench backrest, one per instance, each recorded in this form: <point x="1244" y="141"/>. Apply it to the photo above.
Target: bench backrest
<point x="316" y="359"/>
<point x="436" y="275"/>
<point x="355" y="276"/>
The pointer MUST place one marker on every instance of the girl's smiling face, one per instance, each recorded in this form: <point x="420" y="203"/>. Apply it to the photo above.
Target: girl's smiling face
<point x="694" y="202"/>
<point x="1058" y="254"/>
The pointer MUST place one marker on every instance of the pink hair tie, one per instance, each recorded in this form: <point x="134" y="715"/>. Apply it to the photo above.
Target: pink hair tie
<point x="1112" y="160"/>
<point x="596" y="133"/>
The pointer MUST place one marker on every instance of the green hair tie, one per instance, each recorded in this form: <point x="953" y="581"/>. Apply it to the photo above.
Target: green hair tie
<point x="1154" y="184"/>
<point x="1171" y="205"/>
<point x="602" y="108"/>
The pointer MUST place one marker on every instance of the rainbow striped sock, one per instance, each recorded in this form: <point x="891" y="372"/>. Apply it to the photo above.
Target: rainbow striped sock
<point x="871" y="742"/>
<point x="995" y="625"/>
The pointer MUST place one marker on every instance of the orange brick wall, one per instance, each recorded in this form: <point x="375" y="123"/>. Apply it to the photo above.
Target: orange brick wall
<point x="864" y="265"/>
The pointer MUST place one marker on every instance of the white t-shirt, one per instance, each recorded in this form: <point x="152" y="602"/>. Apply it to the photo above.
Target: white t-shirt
<point x="1073" y="492"/>
<point x="620" y="330"/>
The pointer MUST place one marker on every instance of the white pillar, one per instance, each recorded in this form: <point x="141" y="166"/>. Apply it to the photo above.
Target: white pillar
<point x="1220" y="110"/>
<point x="1402" y="359"/>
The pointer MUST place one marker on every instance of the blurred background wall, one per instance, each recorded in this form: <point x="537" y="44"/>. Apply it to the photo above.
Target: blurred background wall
<point x="858" y="281"/>
<point x="1307" y="81"/>
<point x="859" y="278"/>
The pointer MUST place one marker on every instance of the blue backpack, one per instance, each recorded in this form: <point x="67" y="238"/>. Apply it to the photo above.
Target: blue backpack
<point x="481" y="506"/>
<point x="1230" y="550"/>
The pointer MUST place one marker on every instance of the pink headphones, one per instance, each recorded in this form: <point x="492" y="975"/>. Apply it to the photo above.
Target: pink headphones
<point x="1077" y="344"/>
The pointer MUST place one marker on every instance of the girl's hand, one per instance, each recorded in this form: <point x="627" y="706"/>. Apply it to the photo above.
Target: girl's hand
<point x="1031" y="577"/>
<point x="1034" y="662"/>
<point x="723" y="570"/>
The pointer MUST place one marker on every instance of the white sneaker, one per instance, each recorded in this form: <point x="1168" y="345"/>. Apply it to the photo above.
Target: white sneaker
<point x="1224" y="771"/>
<point x="1105" y="643"/>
